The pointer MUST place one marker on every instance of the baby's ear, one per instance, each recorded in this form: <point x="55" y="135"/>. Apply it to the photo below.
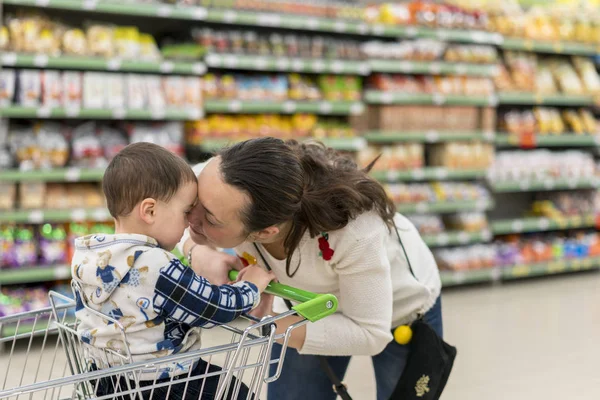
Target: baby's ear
<point x="147" y="210"/>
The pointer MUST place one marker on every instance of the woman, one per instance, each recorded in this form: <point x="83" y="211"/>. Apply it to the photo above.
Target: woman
<point x="322" y="225"/>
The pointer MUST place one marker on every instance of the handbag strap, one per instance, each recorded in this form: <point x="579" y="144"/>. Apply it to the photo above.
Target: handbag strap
<point x="338" y="386"/>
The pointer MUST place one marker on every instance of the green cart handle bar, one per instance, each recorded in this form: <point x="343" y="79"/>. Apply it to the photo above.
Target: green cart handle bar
<point x="312" y="306"/>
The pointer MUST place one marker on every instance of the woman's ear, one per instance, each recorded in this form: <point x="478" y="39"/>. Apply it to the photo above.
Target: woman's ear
<point x="265" y="235"/>
<point x="148" y="210"/>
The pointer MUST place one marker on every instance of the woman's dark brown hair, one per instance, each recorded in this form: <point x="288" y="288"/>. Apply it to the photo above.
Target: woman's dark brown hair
<point x="313" y="186"/>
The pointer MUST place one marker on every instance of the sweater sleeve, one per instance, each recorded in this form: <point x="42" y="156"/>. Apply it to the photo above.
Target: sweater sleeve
<point x="363" y="327"/>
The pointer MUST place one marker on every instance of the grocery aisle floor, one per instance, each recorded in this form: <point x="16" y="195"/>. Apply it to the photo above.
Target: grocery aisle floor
<point x="530" y="340"/>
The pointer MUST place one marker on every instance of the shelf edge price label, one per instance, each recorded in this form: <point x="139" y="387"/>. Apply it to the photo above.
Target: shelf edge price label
<point x="89" y="4"/>
<point x="164" y="11"/>
<point x="42" y="3"/>
<point x="438" y="99"/>
<point x="214" y="60"/>
<point x="269" y="19"/>
<point x="44" y="111"/>
<point x="229" y="16"/>
<point x="78" y="215"/>
<point x="234" y="106"/>
<point x="72" y="174"/>
<point x="283" y="63"/>
<point x="36" y="217"/>
<point x="544" y="224"/>
<point x="289" y="106"/>
<point x="72" y="111"/>
<point x="443" y="239"/>
<point x="392" y="176"/>
<point x="432" y="136"/>
<point x="199" y="13"/>
<point x="517" y="226"/>
<point x="337" y="66"/>
<point x="486" y="235"/>
<point x="464" y="238"/>
<point x="62" y="272"/>
<point x="166" y="67"/>
<point x="325" y="107"/>
<point x="556" y="267"/>
<point x="362" y="28"/>
<point x="118" y="113"/>
<point x="411" y="31"/>
<point x="405" y="66"/>
<point x="357" y="108"/>
<point x="9" y="59"/>
<point x="230" y="61"/>
<point x="100" y="214"/>
<point x="312" y="23"/>
<point x="114" y="64"/>
<point x="386" y="97"/>
<point x="422" y="208"/>
<point x="40" y="60"/>
<point x="378" y="29"/>
<point x="318" y="66"/>
<point x="435" y="68"/>
<point x="441" y="173"/>
<point x="260" y="63"/>
<point x="340" y="26"/>
<point x="199" y="68"/>
<point x="520" y="271"/>
<point x="297" y="65"/>
<point x="418" y="174"/>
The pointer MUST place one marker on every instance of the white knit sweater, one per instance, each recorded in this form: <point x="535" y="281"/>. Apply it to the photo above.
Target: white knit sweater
<point x="370" y="277"/>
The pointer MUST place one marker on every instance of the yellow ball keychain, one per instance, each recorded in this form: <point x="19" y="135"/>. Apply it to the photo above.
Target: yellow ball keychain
<point x="403" y="334"/>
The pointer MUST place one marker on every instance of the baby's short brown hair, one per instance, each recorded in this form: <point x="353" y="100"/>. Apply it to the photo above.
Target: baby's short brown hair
<point x="143" y="170"/>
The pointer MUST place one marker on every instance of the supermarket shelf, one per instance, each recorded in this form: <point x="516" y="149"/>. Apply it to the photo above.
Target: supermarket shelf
<point x="225" y="16"/>
<point x="377" y="97"/>
<point x="549" y="184"/>
<point x="427" y="174"/>
<point x="39" y="216"/>
<point x="60" y="112"/>
<point x="101" y="64"/>
<point x="456" y="278"/>
<point x="541" y="224"/>
<point x="445" y="207"/>
<point x="557" y="47"/>
<point x="34" y="274"/>
<point x="550" y="268"/>
<point x="272" y="20"/>
<point x="267" y="63"/>
<point x="563" y="140"/>
<point x="342" y="144"/>
<point x="457" y="238"/>
<point x="432" y="67"/>
<point x="426" y="137"/>
<point x="284" y="107"/>
<point x="451" y="35"/>
<point x="52" y="175"/>
<point x="554" y="100"/>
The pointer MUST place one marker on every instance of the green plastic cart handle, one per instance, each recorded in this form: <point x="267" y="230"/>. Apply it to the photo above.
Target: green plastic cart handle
<point x="312" y="306"/>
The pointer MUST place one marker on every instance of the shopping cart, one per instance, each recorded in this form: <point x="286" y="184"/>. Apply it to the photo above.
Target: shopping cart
<point x="45" y="358"/>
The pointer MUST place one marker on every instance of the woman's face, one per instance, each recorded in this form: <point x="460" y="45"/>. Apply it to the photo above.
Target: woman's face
<point x="215" y="220"/>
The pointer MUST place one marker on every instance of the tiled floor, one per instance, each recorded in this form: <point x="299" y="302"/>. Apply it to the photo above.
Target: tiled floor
<point x="530" y="340"/>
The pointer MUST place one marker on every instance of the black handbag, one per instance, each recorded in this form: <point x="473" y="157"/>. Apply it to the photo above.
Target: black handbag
<point x="429" y="362"/>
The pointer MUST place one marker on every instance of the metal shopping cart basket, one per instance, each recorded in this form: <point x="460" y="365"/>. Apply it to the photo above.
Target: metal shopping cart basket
<point x="42" y="356"/>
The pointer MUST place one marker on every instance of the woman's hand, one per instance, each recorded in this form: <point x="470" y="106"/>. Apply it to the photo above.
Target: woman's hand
<point x="214" y="265"/>
<point x="265" y="307"/>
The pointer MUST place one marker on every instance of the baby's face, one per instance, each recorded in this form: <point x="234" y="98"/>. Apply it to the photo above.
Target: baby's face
<point x="172" y="216"/>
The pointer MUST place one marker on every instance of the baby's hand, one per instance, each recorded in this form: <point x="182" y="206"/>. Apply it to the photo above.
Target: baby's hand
<point x="257" y="275"/>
